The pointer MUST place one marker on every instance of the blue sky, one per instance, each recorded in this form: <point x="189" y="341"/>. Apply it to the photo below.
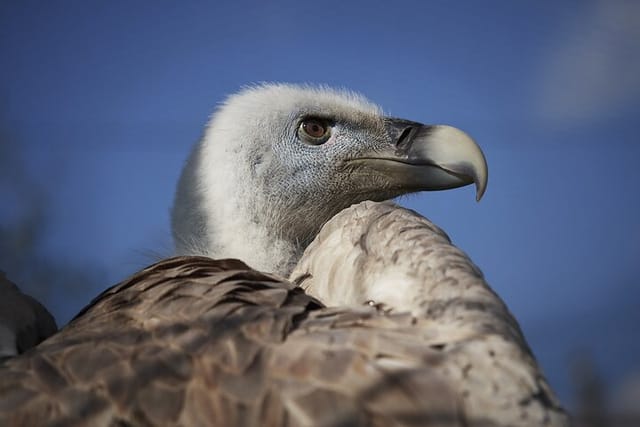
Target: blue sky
<point x="105" y="100"/>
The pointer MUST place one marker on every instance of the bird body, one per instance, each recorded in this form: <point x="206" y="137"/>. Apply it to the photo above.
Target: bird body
<point x="383" y="322"/>
<point x="192" y="341"/>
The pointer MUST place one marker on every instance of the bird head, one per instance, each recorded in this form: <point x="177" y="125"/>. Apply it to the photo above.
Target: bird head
<point x="277" y="161"/>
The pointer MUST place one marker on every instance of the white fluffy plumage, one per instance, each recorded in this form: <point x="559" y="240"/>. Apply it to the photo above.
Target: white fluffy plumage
<point x="255" y="189"/>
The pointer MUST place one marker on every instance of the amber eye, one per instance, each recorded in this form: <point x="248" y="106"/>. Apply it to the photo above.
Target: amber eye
<point x="314" y="131"/>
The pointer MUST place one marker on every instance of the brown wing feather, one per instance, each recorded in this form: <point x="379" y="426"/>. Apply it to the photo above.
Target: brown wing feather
<point x="192" y="341"/>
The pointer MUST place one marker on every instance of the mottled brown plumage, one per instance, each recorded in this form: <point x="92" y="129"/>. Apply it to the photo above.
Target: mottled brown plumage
<point x="192" y="341"/>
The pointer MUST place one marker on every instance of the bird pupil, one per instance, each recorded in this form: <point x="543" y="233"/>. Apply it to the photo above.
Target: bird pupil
<point x="314" y="129"/>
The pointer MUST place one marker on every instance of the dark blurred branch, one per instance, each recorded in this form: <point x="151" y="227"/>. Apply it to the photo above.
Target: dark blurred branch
<point x="589" y="392"/>
<point x="593" y="406"/>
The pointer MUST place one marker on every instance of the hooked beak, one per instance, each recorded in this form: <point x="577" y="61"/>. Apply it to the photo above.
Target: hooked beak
<point x="429" y="157"/>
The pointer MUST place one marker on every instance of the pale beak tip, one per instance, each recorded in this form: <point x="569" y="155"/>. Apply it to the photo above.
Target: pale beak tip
<point x="481" y="186"/>
<point x="479" y="192"/>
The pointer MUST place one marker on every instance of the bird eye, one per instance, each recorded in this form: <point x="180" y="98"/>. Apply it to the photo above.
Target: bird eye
<point x="314" y="131"/>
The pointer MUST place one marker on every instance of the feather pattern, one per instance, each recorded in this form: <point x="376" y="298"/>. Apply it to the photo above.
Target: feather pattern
<point x="192" y="341"/>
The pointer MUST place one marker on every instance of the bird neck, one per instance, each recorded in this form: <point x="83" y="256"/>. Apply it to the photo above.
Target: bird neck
<point x="211" y="220"/>
<point x="257" y="244"/>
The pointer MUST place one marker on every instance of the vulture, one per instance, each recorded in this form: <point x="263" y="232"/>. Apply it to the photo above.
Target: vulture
<point x="299" y="295"/>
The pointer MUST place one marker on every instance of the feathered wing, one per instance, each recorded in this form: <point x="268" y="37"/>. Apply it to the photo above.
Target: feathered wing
<point x="399" y="260"/>
<point x="193" y="341"/>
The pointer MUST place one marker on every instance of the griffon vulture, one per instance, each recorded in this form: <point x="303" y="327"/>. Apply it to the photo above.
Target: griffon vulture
<point x="382" y="323"/>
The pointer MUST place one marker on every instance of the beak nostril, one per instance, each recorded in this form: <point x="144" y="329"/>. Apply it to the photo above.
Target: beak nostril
<point x="401" y="132"/>
<point x="404" y="137"/>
